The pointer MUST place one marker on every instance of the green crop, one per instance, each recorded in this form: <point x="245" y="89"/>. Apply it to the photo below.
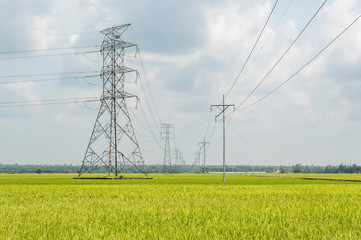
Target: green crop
<point x="178" y="206"/>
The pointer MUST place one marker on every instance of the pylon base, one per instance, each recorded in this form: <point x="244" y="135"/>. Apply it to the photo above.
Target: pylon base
<point x="112" y="178"/>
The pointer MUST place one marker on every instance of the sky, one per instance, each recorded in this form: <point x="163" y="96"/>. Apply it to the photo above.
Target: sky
<point x="191" y="53"/>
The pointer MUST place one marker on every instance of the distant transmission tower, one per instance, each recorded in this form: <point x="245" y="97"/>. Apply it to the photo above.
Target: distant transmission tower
<point x="113" y="143"/>
<point x="167" y="133"/>
<point x="203" y="145"/>
<point x="197" y="160"/>
<point x="178" y="157"/>
<point x="177" y="154"/>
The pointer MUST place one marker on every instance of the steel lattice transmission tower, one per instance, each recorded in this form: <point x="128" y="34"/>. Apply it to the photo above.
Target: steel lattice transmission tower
<point x="167" y="133"/>
<point x="113" y="143"/>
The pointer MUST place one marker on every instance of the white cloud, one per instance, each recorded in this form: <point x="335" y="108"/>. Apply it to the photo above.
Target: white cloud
<point x="290" y="30"/>
<point x="67" y="120"/>
<point x="26" y="90"/>
<point x="298" y="97"/>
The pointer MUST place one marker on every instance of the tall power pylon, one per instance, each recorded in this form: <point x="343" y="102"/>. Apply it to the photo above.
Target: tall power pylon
<point x="113" y="142"/>
<point x="167" y="133"/>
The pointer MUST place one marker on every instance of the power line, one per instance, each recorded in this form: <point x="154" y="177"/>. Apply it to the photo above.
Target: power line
<point x="145" y="76"/>
<point x="272" y="30"/>
<point x="149" y="126"/>
<point x="209" y="120"/>
<point x="47" y="55"/>
<point x="44" y="28"/>
<point x="142" y="125"/>
<point x="259" y="36"/>
<point x="213" y="130"/>
<point x="279" y="60"/>
<point x="49" y="35"/>
<point x="149" y="108"/>
<point x="247" y="144"/>
<point x="149" y="89"/>
<point x="150" y="103"/>
<point x="47" y="102"/>
<point x="152" y="107"/>
<point x="52" y="28"/>
<point x="305" y="65"/>
<point x="48" y="49"/>
<point x="278" y="22"/>
<point x="51" y="79"/>
<point x="47" y="74"/>
<point x="51" y="100"/>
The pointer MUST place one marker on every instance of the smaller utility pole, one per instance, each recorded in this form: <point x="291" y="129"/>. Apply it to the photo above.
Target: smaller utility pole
<point x="223" y="108"/>
<point x="203" y="145"/>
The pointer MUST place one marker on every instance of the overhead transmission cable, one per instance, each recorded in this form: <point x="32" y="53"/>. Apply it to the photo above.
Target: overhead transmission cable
<point x="152" y="106"/>
<point x="247" y="144"/>
<point x="48" y="35"/>
<point x="46" y="74"/>
<point x="149" y="89"/>
<point x="254" y="45"/>
<point x="279" y="60"/>
<point x="142" y="125"/>
<point x="278" y="22"/>
<point x="47" y="102"/>
<point x="149" y="126"/>
<point x="213" y="131"/>
<point x="52" y="79"/>
<point x="40" y="28"/>
<point x="209" y="120"/>
<point x="244" y="65"/>
<point x="148" y="103"/>
<point x="272" y="30"/>
<point x="304" y="66"/>
<point x="47" y="49"/>
<point x="47" y="55"/>
<point x="145" y="75"/>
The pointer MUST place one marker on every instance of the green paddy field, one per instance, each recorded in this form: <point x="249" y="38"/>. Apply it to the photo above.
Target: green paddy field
<point x="180" y="206"/>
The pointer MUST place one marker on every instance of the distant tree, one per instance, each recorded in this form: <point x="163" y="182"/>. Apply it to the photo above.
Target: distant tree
<point x="342" y="168"/>
<point x="355" y="169"/>
<point x="331" y="169"/>
<point x="307" y="169"/>
<point x="283" y="169"/>
<point x="38" y="171"/>
<point x="298" y="168"/>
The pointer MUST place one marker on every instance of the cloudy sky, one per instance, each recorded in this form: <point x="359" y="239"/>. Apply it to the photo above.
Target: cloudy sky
<point x="192" y="53"/>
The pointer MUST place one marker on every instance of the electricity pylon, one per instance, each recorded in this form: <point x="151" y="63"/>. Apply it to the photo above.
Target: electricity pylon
<point x="197" y="161"/>
<point x="203" y="145"/>
<point x="167" y="133"/>
<point x="177" y="154"/>
<point x="113" y="142"/>
<point x="181" y="159"/>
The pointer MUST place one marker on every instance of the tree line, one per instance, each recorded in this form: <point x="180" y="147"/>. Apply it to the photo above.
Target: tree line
<point x="342" y="168"/>
<point x="298" y="168"/>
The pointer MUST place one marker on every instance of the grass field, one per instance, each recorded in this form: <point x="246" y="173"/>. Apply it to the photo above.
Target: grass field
<point x="179" y="206"/>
